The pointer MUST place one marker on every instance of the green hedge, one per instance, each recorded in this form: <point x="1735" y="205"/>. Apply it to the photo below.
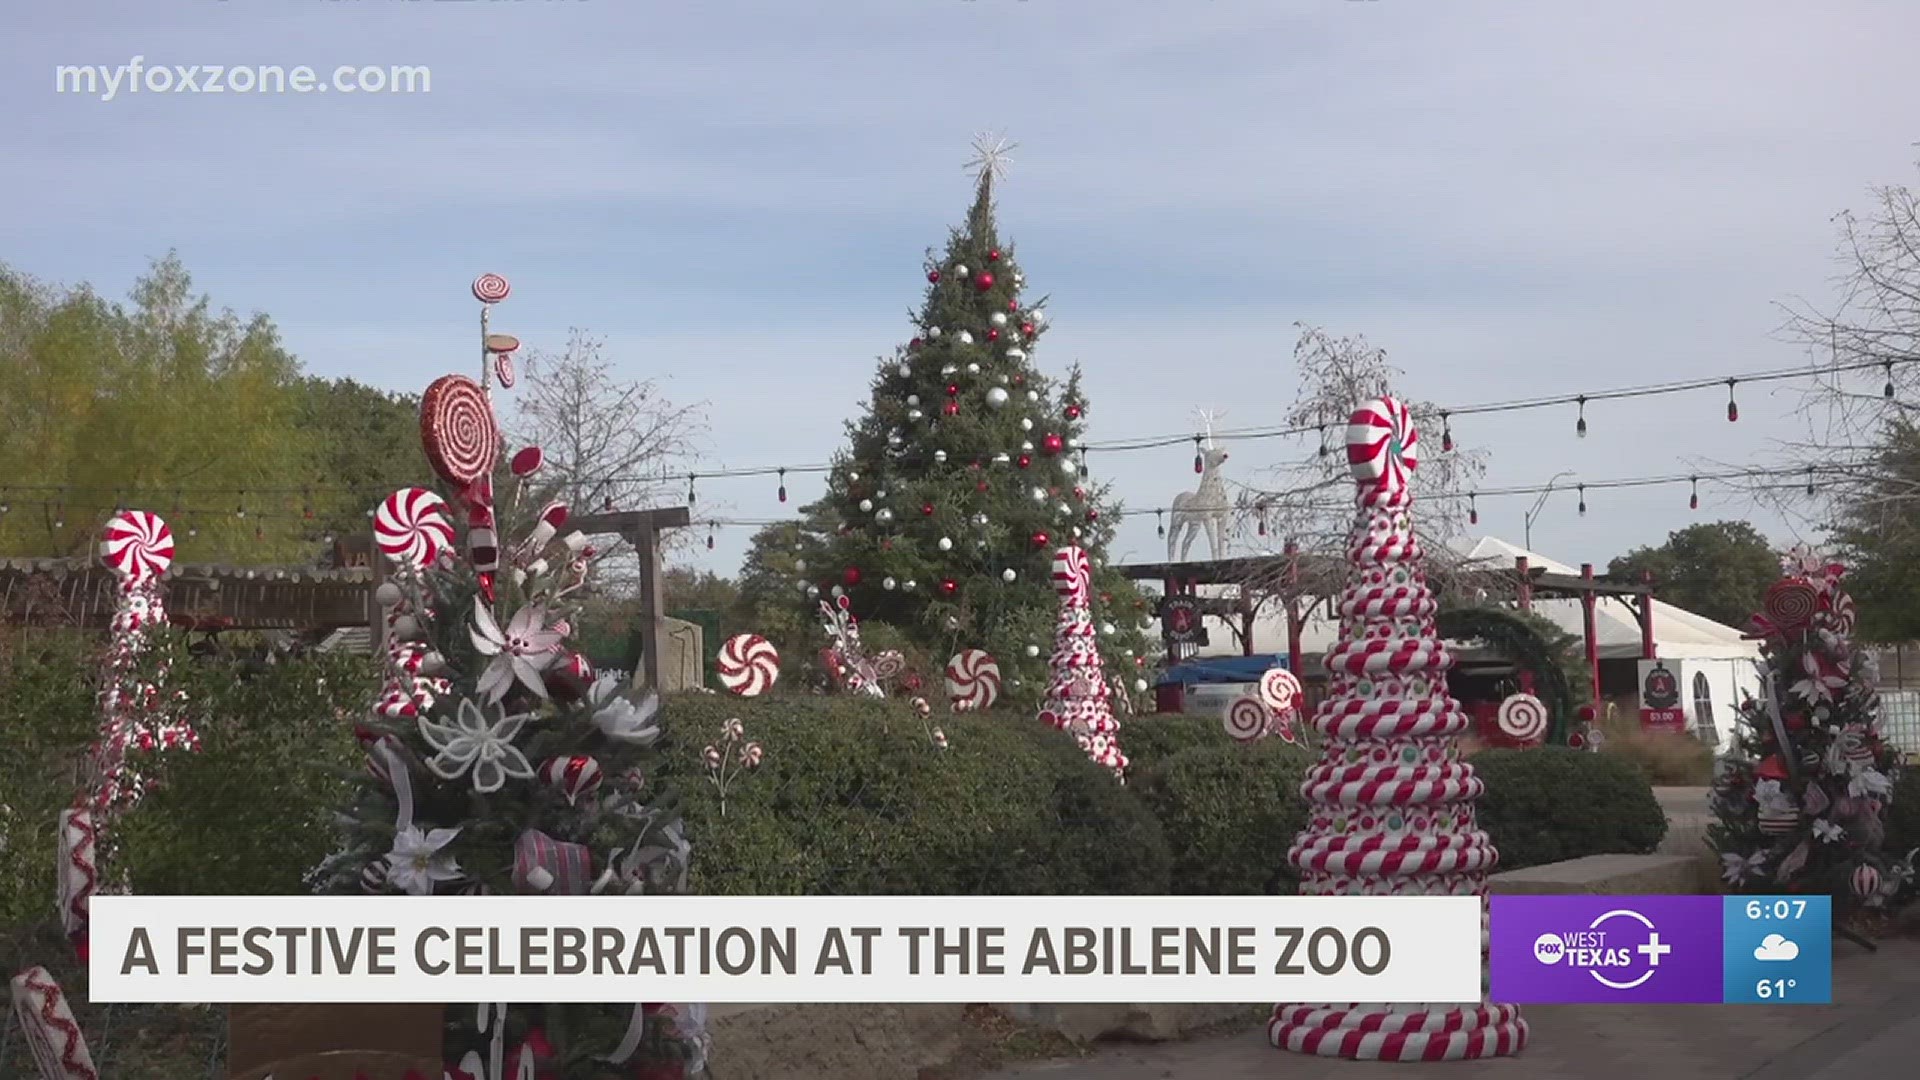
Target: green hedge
<point x="1548" y="804"/>
<point x="1231" y="812"/>
<point x="853" y="799"/>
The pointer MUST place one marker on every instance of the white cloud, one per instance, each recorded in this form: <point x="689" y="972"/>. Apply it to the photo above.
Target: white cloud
<point x="1776" y="947"/>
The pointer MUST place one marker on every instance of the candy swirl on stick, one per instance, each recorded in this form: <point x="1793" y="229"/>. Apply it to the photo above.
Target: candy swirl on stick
<point x="490" y="288"/>
<point x="1280" y="689"/>
<point x="137" y="545"/>
<point x="458" y="430"/>
<point x="1790" y="603"/>
<point x="748" y="665"/>
<point x="411" y="527"/>
<point x="1382" y="444"/>
<point x="973" y="680"/>
<point x="1246" y="718"/>
<point x="1522" y="718"/>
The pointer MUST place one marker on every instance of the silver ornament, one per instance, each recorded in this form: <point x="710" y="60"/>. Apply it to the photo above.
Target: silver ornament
<point x="1037" y="317"/>
<point x="1026" y="423"/>
<point x="866" y="506"/>
<point x="1139" y="686"/>
<point x="1033" y="395"/>
<point x="1001" y="458"/>
<point x="894" y="440"/>
<point x="1068" y="467"/>
<point x="948" y="369"/>
<point x="813" y="590"/>
<point x="933" y="331"/>
<point x="999" y="318"/>
<point x="913" y="399"/>
<point x="1065" y="509"/>
<point x="980" y="520"/>
<point x="1106" y="628"/>
<point x="1016" y="354"/>
<point x="853" y="477"/>
<point x="973" y="369"/>
<point x="1039" y="494"/>
<point x="1033" y="650"/>
<point x="888" y="584"/>
<point x="966" y="337"/>
<point x="960" y="269"/>
<point x="997" y="397"/>
<point x="805" y="587"/>
<point x="1027" y="446"/>
<point x="914" y="414"/>
<point x="800" y="565"/>
<point x="909" y="586"/>
<point x="945" y="544"/>
<point x="940" y="456"/>
<point x="884" y="517"/>
<point x="1008" y="575"/>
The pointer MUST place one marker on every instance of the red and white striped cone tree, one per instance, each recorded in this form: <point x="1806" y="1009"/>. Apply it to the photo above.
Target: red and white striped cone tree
<point x="1078" y="698"/>
<point x="1390" y="803"/>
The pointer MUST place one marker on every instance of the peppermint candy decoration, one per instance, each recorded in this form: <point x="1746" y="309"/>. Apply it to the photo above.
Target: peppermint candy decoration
<point x="888" y="664"/>
<point x="1071" y="574"/>
<point x="1522" y="718"/>
<point x="1246" y="718"/>
<point x="137" y="545"/>
<point x="53" y="1035"/>
<point x="1866" y="881"/>
<point x="572" y="776"/>
<point x="921" y="709"/>
<point x="1790" y="603"/>
<point x="1280" y="689"/>
<point x="411" y="527"/>
<point x="1841" y="614"/>
<point x="490" y="288"/>
<point x="77" y="871"/>
<point x="458" y="430"/>
<point x="973" y="680"/>
<point x="748" y="665"/>
<point x="503" y="370"/>
<point x="1382" y="444"/>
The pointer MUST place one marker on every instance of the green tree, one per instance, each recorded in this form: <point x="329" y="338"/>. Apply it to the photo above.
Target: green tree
<point x="1718" y="569"/>
<point x="1879" y="536"/>
<point x="963" y="477"/>
<point x="366" y="443"/>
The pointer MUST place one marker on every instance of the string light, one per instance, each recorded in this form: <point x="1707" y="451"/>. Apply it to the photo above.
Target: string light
<point x="1446" y="433"/>
<point x="692" y="496"/>
<point x="1160" y="524"/>
<point x="1583" y="500"/>
<point x="1887" y="390"/>
<point x="1473" y="510"/>
<point x="1323" y="440"/>
<point x="1810" y="480"/>
<point x="1198" y="465"/>
<point x="1733" y="407"/>
<point x="1580" y="427"/>
<point x="1693" y="498"/>
<point x="783" y="485"/>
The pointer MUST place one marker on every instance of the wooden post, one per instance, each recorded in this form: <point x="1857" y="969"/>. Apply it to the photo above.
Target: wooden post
<point x="1647" y="649"/>
<point x="1296" y="622"/>
<point x="1525" y="574"/>
<point x="376" y="619"/>
<point x="642" y="529"/>
<point x="1587" y="625"/>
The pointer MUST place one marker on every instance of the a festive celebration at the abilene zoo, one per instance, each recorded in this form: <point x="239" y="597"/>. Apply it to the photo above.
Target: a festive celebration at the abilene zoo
<point x="959" y="540"/>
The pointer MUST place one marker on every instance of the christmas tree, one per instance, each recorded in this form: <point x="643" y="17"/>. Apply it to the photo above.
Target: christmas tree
<point x="1077" y="691"/>
<point x="497" y="762"/>
<point x="967" y="472"/>
<point x="1801" y="797"/>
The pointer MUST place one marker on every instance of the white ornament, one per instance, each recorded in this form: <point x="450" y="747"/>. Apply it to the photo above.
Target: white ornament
<point x="905" y="371"/>
<point x="933" y="331"/>
<point x="1016" y="354"/>
<point x="960" y="269"/>
<point x="999" y="318"/>
<point x="1033" y="395"/>
<point x="980" y="545"/>
<point x="966" y="337"/>
<point x="909" y="586"/>
<point x="948" y="369"/>
<point x="946" y="544"/>
<point x="1039" y="494"/>
<point x="940" y="457"/>
<point x="1026" y="423"/>
<point x="884" y="517"/>
<point x="888" y="584"/>
<point x="1068" y="467"/>
<point x="800" y="565"/>
<point x="802" y="586"/>
<point x="1070" y="442"/>
<point x="914" y="414"/>
<point x="853" y="477"/>
<point x="1001" y="458"/>
<point x="913" y="399"/>
<point x="866" y="506"/>
<point x="1076" y="532"/>
<point x="1026" y="445"/>
<point x="1065" y="509"/>
<point x="813" y="591"/>
<point x="1008" y="575"/>
<point x="996" y="397"/>
<point x="1139" y="686"/>
<point x="1037" y="317"/>
<point x="973" y="369"/>
<point x="881" y="494"/>
<point x="894" y="439"/>
<point x="980" y="520"/>
<point x="1106" y="628"/>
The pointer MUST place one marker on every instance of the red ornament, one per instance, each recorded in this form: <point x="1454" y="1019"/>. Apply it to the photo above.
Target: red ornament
<point x="1053" y="444"/>
<point x="994" y="255"/>
<point x="948" y="586"/>
<point x="1073" y="412"/>
<point x="983" y="280"/>
<point x="1026" y="328"/>
<point x="1773" y="768"/>
<point x="1013" y="305"/>
<point x="914" y="344"/>
<point x="993" y="335"/>
<point x="926" y="509"/>
<point x="1079" y="493"/>
<point x="933" y="276"/>
<point x="951" y="408"/>
<point x="1023" y="461"/>
<point x="850" y="577"/>
<point x="1092" y="514"/>
<point x="981" y="486"/>
<point x="1019" y="379"/>
<point x="953" y="389"/>
<point x="1040" y="539"/>
<point x="1106" y="598"/>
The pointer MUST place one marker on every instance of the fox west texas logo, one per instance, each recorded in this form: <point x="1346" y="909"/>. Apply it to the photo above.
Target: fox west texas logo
<point x="1621" y="949"/>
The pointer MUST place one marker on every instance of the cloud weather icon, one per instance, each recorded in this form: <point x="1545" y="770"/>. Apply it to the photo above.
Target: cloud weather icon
<point x="1776" y="947"/>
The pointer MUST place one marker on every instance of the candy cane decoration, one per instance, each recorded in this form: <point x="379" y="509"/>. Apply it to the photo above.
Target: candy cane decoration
<point x="53" y="1035"/>
<point x="748" y="665"/>
<point x="77" y="872"/>
<point x="973" y="680"/>
<point x="137" y="545"/>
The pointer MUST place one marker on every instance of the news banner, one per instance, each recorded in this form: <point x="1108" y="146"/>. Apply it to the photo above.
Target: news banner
<point x="1386" y="949"/>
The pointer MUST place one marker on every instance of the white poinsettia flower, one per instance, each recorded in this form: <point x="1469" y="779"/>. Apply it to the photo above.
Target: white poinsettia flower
<point x="1738" y="869"/>
<point x="1869" y="783"/>
<point x="419" y="860"/>
<point x="1828" y="831"/>
<point x="1818" y="681"/>
<point x="619" y="717"/>
<point x="523" y="651"/>
<point x="1769" y="795"/>
<point x="473" y="743"/>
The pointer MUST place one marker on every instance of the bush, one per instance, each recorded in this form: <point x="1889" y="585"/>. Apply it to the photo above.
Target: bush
<point x="852" y="799"/>
<point x="1666" y="757"/>
<point x="1153" y="738"/>
<point x="1550" y="804"/>
<point x="1903" y="821"/>
<point x="1231" y="811"/>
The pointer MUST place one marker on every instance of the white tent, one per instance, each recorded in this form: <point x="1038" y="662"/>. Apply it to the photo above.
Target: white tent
<point x="1714" y="663"/>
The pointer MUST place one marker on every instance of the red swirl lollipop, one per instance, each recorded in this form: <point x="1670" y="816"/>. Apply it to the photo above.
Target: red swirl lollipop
<point x="1790" y="603"/>
<point x="1246" y="718"/>
<point x="748" y="665"/>
<point x="411" y="527"/>
<point x="137" y="545"/>
<point x="490" y="288"/>
<point x="1071" y="573"/>
<point x="458" y="430"/>
<point x="1522" y="718"/>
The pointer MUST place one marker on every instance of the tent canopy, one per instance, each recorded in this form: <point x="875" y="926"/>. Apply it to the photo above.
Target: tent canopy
<point x="1678" y="634"/>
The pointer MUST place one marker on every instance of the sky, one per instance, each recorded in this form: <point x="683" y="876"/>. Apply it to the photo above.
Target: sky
<point x="1513" y="200"/>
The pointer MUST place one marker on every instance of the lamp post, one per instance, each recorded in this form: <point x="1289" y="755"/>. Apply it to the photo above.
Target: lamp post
<point x="1541" y="502"/>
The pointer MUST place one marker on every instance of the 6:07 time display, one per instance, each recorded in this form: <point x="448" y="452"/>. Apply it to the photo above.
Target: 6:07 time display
<point x="1776" y="909"/>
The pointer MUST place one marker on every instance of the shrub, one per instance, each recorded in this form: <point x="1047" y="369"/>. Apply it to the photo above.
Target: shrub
<point x="853" y="799"/>
<point x="1231" y="812"/>
<point x="1666" y="757"/>
<point x="1903" y="821"/>
<point x="1152" y="738"/>
<point x="1549" y="804"/>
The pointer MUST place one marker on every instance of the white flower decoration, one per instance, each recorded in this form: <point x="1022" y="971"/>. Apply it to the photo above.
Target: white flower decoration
<point x="527" y="648"/>
<point x="1770" y="796"/>
<point x="618" y="717"/>
<point x="1737" y="869"/>
<point x="1828" y="831"/>
<point x="473" y="743"/>
<point x="1869" y="783"/>
<point x="1818" y="684"/>
<point x="418" y="860"/>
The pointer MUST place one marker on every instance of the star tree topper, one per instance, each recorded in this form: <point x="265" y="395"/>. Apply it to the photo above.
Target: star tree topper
<point x="991" y="155"/>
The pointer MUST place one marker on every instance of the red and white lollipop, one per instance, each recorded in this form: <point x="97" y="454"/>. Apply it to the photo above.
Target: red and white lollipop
<point x="1382" y="444"/>
<point x="53" y="1035"/>
<point x="137" y="545"/>
<point x="411" y="527"/>
<point x="1246" y="718"/>
<point x="1522" y="718"/>
<point x="1280" y="689"/>
<point x="572" y="776"/>
<point x="490" y="288"/>
<point x="748" y="665"/>
<point x="973" y="680"/>
<point x="458" y="430"/>
<point x="1071" y="574"/>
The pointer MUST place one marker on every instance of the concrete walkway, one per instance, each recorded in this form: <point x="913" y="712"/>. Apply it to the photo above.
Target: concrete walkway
<point x="1872" y="1030"/>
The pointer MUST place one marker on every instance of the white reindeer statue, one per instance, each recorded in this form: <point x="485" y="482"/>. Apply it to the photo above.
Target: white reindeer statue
<point x="1205" y="507"/>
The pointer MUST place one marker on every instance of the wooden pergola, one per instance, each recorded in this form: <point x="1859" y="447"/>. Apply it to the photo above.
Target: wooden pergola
<point x="76" y="592"/>
<point x="1303" y="581"/>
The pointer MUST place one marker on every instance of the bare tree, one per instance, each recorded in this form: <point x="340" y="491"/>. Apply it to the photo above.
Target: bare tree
<point x="609" y="443"/>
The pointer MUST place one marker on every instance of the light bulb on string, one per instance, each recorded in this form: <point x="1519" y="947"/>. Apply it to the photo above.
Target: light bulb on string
<point x="1323" y="440"/>
<point x="692" y="496"/>
<point x="1693" y="497"/>
<point x="1887" y="391"/>
<point x="1583" y="500"/>
<point x="1199" y="466"/>
<point x="1263" y="519"/>
<point x="1083" y="463"/>
<point x="1473" y="510"/>
<point x="1810" y="480"/>
<point x="1160" y="523"/>
<point x="1446" y="434"/>
<point x="1580" y="426"/>
<point x="1733" y="407"/>
<point x="783" y="485"/>
<point x="709" y="537"/>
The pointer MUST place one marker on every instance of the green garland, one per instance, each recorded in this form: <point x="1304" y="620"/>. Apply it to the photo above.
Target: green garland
<point x="1534" y="644"/>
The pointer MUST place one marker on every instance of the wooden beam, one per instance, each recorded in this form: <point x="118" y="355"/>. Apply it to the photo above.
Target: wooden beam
<point x="627" y="521"/>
